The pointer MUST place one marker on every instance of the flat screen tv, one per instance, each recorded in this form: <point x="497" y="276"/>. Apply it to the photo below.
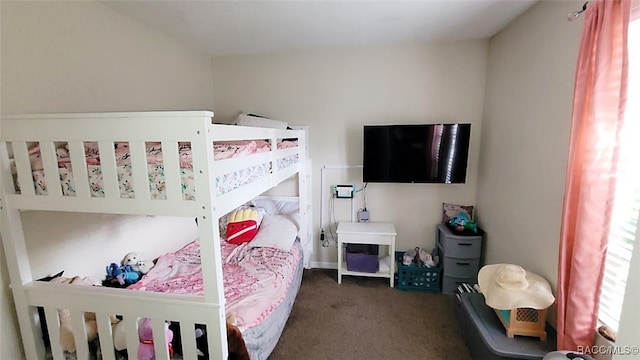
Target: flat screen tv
<point x="425" y="153"/>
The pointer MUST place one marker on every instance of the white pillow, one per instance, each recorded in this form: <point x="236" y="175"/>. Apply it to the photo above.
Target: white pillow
<point x="276" y="231"/>
<point x="248" y="120"/>
<point x="275" y="206"/>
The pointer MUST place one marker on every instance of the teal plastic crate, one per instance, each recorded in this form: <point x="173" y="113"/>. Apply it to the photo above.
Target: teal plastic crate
<point x="415" y="278"/>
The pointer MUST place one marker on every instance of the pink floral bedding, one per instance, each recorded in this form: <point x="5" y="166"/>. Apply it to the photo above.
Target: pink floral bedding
<point x="222" y="150"/>
<point x="255" y="280"/>
<point x="223" y="183"/>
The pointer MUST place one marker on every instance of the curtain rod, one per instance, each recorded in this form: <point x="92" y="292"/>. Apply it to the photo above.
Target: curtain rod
<point x="574" y="15"/>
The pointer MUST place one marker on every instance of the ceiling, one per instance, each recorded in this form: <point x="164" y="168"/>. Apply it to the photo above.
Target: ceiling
<point x="219" y="28"/>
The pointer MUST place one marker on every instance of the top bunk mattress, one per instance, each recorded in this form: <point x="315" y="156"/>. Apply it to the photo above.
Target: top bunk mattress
<point x="224" y="183"/>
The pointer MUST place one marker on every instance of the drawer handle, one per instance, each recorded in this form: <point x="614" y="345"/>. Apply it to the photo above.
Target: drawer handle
<point x="463" y="263"/>
<point x="465" y="244"/>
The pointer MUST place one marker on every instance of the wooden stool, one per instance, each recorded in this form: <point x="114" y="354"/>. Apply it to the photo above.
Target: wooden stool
<point x="524" y="321"/>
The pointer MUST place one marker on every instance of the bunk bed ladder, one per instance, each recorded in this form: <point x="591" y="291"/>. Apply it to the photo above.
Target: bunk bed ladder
<point x="15" y="253"/>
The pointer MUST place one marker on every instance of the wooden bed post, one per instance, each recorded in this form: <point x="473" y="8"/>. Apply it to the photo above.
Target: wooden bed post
<point x="303" y="198"/>
<point x="304" y="194"/>
<point x="15" y="253"/>
<point x="209" y="235"/>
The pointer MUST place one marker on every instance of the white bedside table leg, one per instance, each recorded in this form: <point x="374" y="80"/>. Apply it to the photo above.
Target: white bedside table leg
<point x="392" y="263"/>
<point x="339" y="262"/>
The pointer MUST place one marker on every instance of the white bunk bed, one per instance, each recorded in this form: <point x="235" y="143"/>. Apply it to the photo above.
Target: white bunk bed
<point x="207" y="205"/>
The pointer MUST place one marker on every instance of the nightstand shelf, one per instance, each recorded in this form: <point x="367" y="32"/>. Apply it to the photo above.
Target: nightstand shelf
<point x="366" y="233"/>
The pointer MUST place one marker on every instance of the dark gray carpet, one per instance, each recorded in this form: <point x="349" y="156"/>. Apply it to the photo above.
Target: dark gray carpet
<point x="363" y="318"/>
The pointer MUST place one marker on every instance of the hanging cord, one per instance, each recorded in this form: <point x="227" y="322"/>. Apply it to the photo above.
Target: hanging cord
<point x="576" y="14"/>
<point x="364" y="196"/>
<point x="333" y="222"/>
<point x="326" y="240"/>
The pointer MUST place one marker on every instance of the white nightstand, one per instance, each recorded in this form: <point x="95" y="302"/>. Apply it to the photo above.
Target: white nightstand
<point x="366" y="233"/>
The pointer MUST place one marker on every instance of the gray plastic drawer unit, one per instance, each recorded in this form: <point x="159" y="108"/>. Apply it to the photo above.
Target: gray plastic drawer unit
<point x="463" y="247"/>
<point x="460" y="256"/>
<point x="461" y="267"/>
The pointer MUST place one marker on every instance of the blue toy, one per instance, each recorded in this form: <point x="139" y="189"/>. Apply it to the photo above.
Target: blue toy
<point x="462" y="222"/>
<point x="123" y="275"/>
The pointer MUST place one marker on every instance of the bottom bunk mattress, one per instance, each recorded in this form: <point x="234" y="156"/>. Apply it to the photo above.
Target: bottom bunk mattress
<point x="262" y="339"/>
<point x="260" y="286"/>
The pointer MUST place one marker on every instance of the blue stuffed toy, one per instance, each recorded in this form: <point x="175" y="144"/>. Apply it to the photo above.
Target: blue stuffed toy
<point x="462" y="222"/>
<point x="122" y="274"/>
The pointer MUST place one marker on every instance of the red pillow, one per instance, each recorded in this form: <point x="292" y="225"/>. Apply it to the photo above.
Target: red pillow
<point x="242" y="226"/>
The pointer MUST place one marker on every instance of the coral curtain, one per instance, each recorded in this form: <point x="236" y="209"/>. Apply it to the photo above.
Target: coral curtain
<point x="598" y="108"/>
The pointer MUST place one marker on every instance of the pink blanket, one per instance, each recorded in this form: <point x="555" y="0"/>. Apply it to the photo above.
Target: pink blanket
<point x="255" y="280"/>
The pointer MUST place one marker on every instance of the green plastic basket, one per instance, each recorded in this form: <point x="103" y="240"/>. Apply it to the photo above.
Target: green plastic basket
<point x="415" y="278"/>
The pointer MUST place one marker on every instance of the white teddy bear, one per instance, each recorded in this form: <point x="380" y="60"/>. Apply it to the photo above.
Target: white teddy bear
<point x="143" y="266"/>
<point x="137" y="262"/>
<point x="131" y="259"/>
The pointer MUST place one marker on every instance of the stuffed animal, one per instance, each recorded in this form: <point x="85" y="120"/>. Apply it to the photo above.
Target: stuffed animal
<point x="131" y="259"/>
<point x="143" y="266"/>
<point x="130" y="270"/>
<point x="145" y="348"/>
<point x="67" y="340"/>
<point x="117" y="330"/>
<point x="137" y="262"/>
<point x="235" y="342"/>
<point x="123" y="275"/>
<point x="462" y="222"/>
<point x="201" y="340"/>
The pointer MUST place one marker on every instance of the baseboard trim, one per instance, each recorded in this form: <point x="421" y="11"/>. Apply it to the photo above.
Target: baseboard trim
<point x="323" y="265"/>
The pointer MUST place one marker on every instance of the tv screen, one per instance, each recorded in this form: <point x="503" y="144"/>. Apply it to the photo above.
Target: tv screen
<point x="426" y="153"/>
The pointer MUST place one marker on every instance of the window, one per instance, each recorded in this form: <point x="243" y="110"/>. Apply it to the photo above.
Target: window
<point x="626" y="208"/>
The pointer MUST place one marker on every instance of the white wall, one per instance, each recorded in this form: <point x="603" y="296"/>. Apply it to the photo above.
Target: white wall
<point x="525" y="137"/>
<point x="84" y="57"/>
<point x="336" y="92"/>
<point x="525" y="143"/>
